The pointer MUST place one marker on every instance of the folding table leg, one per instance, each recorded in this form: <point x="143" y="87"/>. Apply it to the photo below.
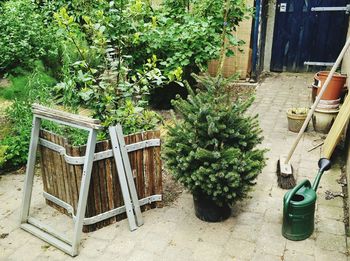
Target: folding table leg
<point x="84" y="191"/>
<point x="129" y="176"/>
<point x="122" y="178"/>
<point x="28" y="181"/>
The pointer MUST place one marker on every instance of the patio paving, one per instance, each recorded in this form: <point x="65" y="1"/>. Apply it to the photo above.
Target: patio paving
<point x="174" y="233"/>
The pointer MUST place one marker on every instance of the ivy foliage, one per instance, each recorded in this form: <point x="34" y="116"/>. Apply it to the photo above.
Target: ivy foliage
<point x="212" y="149"/>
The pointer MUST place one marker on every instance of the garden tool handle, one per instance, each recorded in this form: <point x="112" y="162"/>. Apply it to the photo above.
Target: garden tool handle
<point x="305" y="182"/>
<point x="318" y="98"/>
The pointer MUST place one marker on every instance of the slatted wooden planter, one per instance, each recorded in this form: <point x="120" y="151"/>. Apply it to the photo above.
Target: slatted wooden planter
<point x="62" y="179"/>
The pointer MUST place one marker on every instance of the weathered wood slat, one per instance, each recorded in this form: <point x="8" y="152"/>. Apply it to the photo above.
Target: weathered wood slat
<point x="52" y="171"/>
<point x="43" y="165"/>
<point x="65" y="171"/>
<point x="151" y="167"/>
<point x="109" y="181"/>
<point x="146" y="170"/>
<point x="66" y="117"/>
<point x="59" y="173"/>
<point x="71" y="179"/>
<point x="158" y="171"/>
<point x="140" y="169"/>
<point x="103" y="186"/>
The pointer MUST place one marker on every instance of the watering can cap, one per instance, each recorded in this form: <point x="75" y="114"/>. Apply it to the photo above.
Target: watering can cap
<point x="324" y="164"/>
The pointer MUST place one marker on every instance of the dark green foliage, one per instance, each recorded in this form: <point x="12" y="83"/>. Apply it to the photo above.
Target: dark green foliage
<point x="24" y="36"/>
<point x="212" y="149"/>
<point x="14" y="147"/>
<point x="19" y="79"/>
<point x="107" y="56"/>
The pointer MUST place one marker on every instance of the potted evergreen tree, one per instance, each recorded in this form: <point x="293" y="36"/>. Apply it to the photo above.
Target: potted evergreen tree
<point x="211" y="148"/>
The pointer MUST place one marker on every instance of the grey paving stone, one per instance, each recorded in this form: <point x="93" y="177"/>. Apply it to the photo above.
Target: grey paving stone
<point x="336" y="202"/>
<point x="175" y="253"/>
<point x="292" y="255"/>
<point x="174" y="233"/>
<point x="207" y="252"/>
<point x="121" y="246"/>
<point x="258" y="256"/>
<point x="324" y="255"/>
<point x="330" y="212"/>
<point x="141" y="255"/>
<point x="154" y="243"/>
<point x="27" y="252"/>
<point x="330" y="226"/>
<point x="331" y="242"/>
<point x="306" y="246"/>
<point x="271" y="245"/>
<point x="246" y="232"/>
<point x="238" y="249"/>
<point x="93" y="247"/>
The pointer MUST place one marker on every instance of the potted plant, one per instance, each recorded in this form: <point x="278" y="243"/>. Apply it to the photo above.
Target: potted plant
<point x="296" y="118"/>
<point x="211" y="148"/>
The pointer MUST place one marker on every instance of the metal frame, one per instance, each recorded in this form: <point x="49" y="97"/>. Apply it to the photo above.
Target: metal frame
<point x="102" y="216"/>
<point x="34" y="226"/>
<point x="126" y="180"/>
<point x="120" y="153"/>
<point x="99" y="155"/>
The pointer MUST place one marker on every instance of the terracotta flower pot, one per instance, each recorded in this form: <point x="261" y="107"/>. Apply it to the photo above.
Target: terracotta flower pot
<point x="335" y="87"/>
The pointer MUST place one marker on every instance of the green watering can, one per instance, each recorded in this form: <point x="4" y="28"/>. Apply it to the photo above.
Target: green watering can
<point x="299" y="206"/>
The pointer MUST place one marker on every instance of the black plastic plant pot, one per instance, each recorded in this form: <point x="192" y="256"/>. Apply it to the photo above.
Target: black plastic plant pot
<point x="207" y="210"/>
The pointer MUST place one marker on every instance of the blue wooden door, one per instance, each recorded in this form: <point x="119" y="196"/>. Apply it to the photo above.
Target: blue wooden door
<point x="302" y="35"/>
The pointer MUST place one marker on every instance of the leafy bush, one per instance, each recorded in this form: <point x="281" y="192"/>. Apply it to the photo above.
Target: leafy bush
<point x="107" y="56"/>
<point x="19" y="79"/>
<point x="24" y="36"/>
<point x="108" y="89"/>
<point x="212" y="149"/>
<point x="14" y="147"/>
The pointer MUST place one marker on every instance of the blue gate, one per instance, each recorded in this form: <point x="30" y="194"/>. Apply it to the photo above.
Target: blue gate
<point x="311" y="31"/>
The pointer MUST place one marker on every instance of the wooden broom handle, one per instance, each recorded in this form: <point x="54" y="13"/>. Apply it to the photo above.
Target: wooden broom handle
<point x="318" y="98"/>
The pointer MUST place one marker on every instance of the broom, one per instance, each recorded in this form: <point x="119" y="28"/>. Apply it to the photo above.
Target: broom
<point x="285" y="178"/>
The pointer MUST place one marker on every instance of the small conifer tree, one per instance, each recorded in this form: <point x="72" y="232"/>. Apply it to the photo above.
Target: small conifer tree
<point x="211" y="149"/>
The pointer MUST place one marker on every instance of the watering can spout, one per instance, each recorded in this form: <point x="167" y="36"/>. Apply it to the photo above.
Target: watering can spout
<point x="324" y="165"/>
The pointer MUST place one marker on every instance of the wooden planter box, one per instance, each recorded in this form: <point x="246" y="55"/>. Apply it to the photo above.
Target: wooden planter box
<point x="62" y="179"/>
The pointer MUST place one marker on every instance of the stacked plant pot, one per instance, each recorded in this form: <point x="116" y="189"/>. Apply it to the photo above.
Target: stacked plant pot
<point x="328" y="107"/>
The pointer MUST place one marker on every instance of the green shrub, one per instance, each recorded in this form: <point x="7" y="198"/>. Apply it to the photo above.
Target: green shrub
<point x="24" y="36"/>
<point x="212" y="149"/>
<point x="14" y="146"/>
<point x="19" y="79"/>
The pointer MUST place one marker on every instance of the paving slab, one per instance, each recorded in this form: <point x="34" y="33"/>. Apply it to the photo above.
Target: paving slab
<point x="174" y="233"/>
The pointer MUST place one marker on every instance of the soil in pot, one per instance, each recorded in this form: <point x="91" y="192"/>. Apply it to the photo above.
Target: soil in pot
<point x="207" y="210"/>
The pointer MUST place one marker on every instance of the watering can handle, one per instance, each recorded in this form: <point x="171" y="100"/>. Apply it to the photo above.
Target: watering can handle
<point x="305" y="182"/>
